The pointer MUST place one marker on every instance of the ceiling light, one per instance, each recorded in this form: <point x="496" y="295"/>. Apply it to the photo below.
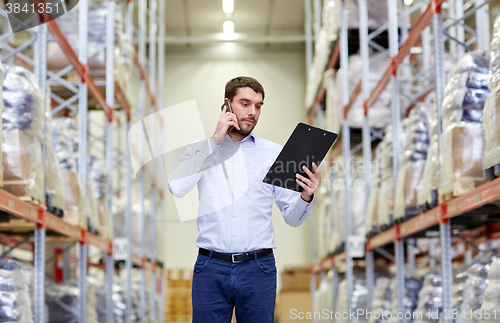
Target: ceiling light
<point x="408" y="2"/>
<point x="331" y="3"/>
<point x="228" y="6"/>
<point x="228" y="27"/>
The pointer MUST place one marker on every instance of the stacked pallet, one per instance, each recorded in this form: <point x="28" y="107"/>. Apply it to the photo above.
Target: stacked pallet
<point x="179" y="308"/>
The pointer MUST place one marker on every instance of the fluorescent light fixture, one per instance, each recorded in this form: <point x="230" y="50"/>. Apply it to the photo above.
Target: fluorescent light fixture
<point x="408" y="2"/>
<point x="228" y="28"/>
<point x="228" y="6"/>
<point x="331" y="3"/>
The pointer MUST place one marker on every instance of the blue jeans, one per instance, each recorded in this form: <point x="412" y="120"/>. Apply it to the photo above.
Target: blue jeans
<point x="219" y="286"/>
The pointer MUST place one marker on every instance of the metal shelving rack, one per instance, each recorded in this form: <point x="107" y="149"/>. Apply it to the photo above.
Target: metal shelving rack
<point x="32" y="54"/>
<point x="452" y="26"/>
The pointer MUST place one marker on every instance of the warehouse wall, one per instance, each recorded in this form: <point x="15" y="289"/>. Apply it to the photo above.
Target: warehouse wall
<point x="202" y="76"/>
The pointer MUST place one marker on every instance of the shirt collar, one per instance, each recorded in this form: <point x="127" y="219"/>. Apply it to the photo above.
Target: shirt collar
<point x="251" y="137"/>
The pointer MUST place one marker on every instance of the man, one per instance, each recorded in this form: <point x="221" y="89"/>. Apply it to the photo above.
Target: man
<point x="235" y="267"/>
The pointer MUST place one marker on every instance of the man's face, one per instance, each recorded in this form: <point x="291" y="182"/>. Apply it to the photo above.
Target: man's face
<point x="246" y="105"/>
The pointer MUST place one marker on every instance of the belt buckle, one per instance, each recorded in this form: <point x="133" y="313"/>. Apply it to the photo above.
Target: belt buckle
<point x="233" y="260"/>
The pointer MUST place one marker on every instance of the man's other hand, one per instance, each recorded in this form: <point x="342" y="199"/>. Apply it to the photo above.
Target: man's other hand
<point x="310" y="185"/>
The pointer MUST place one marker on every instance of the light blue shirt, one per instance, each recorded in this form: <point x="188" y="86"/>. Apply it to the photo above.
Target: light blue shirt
<point x="235" y="205"/>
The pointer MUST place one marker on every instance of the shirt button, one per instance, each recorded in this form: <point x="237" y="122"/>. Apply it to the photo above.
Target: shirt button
<point x="234" y="215"/>
<point x="236" y="177"/>
<point x="234" y="234"/>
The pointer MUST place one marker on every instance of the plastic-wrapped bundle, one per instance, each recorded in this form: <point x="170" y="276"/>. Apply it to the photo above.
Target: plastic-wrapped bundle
<point x="62" y="302"/>
<point x="386" y="194"/>
<point x="430" y="299"/>
<point x="339" y="211"/>
<point x="1" y="111"/>
<point x="22" y="120"/>
<point x="462" y="141"/>
<point x="494" y="77"/>
<point x="54" y="191"/>
<point x="427" y="196"/>
<point x="412" y="163"/>
<point x="68" y="24"/>
<point x="492" y="131"/>
<point x="475" y="286"/>
<point x="358" y="199"/>
<point x="413" y="286"/>
<point x="135" y="217"/>
<point x="359" y="300"/>
<point x="379" y="115"/>
<point x="322" y="299"/>
<point x="15" y="304"/>
<point x="98" y="176"/>
<point x="64" y="134"/>
<point x="458" y="288"/>
<point x="491" y="304"/>
<point x="322" y="216"/>
<point x="371" y="224"/>
<point x="377" y="15"/>
<point x="382" y="300"/>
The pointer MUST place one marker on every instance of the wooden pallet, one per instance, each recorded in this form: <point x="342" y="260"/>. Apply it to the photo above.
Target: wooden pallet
<point x="17" y="225"/>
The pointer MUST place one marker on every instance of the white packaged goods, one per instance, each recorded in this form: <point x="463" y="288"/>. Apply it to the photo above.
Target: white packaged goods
<point x="462" y="141"/>
<point x="371" y="223"/>
<point x="491" y="304"/>
<point x="333" y="114"/>
<point x="494" y="77"/>
<point x="15" y="302"/>
<point x="22" y="133"/>
<point x="458" y="288"/>
<point x="412" y="162"/>
<point x="413" y="286"/>
<point x="358" y="301"/>
<point x="358" y="193"/>
<point x="427" y="188"/>
<point x="475" y="287"/>
<point x="377" y="15"/>
<point x="54" y="190"/>
<point x="430" y="299"/>
<point x="64" y="138"/>
<point x="68" y="23"/>
<point x="492" y="130"/>
<point x="382" y="300"/>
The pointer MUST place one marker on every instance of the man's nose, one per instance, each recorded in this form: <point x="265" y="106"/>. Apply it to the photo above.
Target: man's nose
<point x="251" y="111"/>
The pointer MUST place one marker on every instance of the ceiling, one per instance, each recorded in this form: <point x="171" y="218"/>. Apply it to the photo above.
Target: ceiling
<point x="255" y="17"/>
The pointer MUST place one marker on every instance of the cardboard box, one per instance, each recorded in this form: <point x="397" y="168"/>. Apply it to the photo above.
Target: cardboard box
<point x="293" y="304"/>
<point x="296" y="279"/>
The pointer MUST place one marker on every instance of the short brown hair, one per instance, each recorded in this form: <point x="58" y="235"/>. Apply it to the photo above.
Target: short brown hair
<point x="242" y="81"/>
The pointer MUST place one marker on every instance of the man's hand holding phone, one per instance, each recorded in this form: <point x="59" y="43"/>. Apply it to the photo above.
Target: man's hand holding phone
<point x="226" y="120"/>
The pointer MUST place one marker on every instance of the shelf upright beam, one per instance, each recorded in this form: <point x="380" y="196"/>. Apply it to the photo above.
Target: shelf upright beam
<point x="317" y="19"/>
<point x="460" y="30"/>
<point x="410" y="251"/>
<point x="483" y="25"/>
<point x="142" y="178"/>
<point x="444" y="223"/>
<point x="82" y="146"/>
<point x="128" y="233"/>
<point x="309" y="37"/>
<point x="366" y="131"/>
<point x="396" y="149"/>
<point x="152" y="138"/>
<point x="40" y="69"/>
<point x="346" y="145"/>
<point x="110" y="101"/>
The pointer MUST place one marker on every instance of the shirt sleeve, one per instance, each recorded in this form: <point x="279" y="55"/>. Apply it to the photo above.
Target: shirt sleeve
<point x="294" y="209"/>
<point x="197" y="157"/>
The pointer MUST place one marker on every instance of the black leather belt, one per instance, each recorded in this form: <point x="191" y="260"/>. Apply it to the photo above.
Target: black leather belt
<point x="236" y="257"/>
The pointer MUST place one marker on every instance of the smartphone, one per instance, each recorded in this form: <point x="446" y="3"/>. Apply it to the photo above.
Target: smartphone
<point x="229" y="109"/>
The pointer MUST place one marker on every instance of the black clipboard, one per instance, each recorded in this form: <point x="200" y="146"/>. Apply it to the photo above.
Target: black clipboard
<point x="306" y="145"/>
